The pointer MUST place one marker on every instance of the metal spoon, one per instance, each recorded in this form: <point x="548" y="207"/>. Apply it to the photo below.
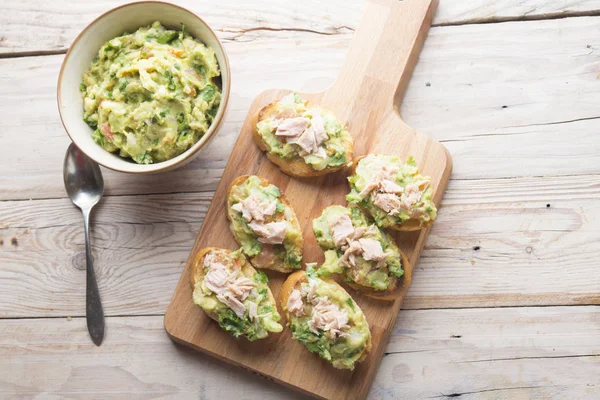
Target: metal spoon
<point x="85" y="186"/>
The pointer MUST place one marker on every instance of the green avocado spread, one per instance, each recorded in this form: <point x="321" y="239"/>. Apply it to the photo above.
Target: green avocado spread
<point x="409" y="198"/>
<point x="152" y="94"/>
<point x="369" y="273"/>
<point x="344" y="349"/>
<point x="253" y="325"/>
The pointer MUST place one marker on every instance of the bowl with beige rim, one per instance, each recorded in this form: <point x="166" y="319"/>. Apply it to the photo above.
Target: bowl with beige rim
<point x="129" y="18"/>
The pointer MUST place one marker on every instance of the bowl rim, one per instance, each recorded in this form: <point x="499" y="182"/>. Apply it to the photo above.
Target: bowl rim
<point x="189" y="153"/>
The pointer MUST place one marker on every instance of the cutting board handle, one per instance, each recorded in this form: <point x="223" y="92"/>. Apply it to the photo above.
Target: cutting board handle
<point x="384" y="52"/>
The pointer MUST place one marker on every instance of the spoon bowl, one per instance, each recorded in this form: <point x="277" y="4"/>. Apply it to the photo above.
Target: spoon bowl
<point x="83" y="178"/>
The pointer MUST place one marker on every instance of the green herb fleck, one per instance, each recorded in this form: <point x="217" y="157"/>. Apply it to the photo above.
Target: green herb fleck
<point x="123" y="84"/>
<point x="261" y="277"/>
<point x="200" y="68"/>
<point x="208" y="93"/>
<point x="350" y="303"/>
<point x="167" y="37"/>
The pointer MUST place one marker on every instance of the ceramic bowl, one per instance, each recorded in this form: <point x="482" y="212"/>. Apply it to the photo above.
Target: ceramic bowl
<point x="128" y="18"/>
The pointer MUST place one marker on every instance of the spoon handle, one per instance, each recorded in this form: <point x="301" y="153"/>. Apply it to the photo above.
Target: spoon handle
<point x="94" y="313"/>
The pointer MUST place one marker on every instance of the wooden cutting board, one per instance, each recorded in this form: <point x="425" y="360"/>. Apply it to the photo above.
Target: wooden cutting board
<point x="366" y="96"/>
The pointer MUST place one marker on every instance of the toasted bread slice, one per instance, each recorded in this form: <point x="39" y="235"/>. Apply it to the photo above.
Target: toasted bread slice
<point x="198" y="274"/>
<point x="406" y="226"/>
<point x="296" y="166"/>
<point x="361" y="276"/>
<point x="268" y="258"/>
<point x="363" y="228"/>
<point x="294" y="281"/>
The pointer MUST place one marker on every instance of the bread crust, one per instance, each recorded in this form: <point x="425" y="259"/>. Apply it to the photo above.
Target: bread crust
<point x="197" y="273"/>
<point x="293" y="282"/>
<point x="296" y="166"/>
<point x="299" y="242"/>
<point x="408" y="226"/>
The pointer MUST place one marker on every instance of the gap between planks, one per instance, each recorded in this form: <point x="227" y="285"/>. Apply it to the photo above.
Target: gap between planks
<point x="212" y="192"/>
<point x="345" y="30"/>
<point x="402" y="310"/>
<point x="522" y="18"/>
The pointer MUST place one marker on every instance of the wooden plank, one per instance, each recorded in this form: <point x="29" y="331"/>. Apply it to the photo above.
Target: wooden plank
<point x="457" y="12"/>
<point x="522" y="353"/>
<point x="476" y="353"/>
<point x="34" y="26"/>
<point x="528" y="241"/>
<point x="141" y="242"/>
<point x="462" y="106"/>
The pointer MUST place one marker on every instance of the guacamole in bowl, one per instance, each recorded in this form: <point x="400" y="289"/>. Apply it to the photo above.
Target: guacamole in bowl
<point x="152" y="94"/>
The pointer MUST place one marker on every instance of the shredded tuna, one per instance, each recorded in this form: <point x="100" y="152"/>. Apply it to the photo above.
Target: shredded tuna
<point x="271" y="233"/>
<point x="292" y="127"/>
<point x="384" y="173"/>
<point x="371" y="249"/>
<point x="230" y="287"/>
<point x="310" y="291"/>
<point x="388" y="202"/>
<point x="309" y="139"/>
<point x="388" y="195"/>
<point x="328" y="317"/>
<point x="325" y="315"/>
<point x="253" y="208"/>
<point x="371" y="185"/>
<point x="389" y="186"/>
<point x="413" y="193"/>
<point x="349" y="257"/>
<point x="341" y="228"/>
<point x="352" y="242"/>
<point x="316" y="123"/>
<point x="255" y="211"/>
<point x="252" y="311"/>
<point x="294" y="304"/>
<point x="310" y="143"/>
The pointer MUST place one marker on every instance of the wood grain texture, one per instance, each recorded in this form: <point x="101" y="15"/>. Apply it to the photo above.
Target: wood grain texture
<point x="509" y="163"/>
<point x="37" y="26"/>
<point x="463" y="106"/>
<point x="141" y="243"/>
<point x="478" y="354"/>
<point x="458" y="12"/>
<point x="376" y="72"/>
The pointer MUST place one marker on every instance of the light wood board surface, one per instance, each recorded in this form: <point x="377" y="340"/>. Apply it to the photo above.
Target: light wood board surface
<point x="509" y="163"/>
<point x="34" y="26"/>
<point x="364" y="97"/>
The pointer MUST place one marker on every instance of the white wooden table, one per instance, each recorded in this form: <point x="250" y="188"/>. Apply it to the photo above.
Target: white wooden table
<point x="505" y="300"/>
